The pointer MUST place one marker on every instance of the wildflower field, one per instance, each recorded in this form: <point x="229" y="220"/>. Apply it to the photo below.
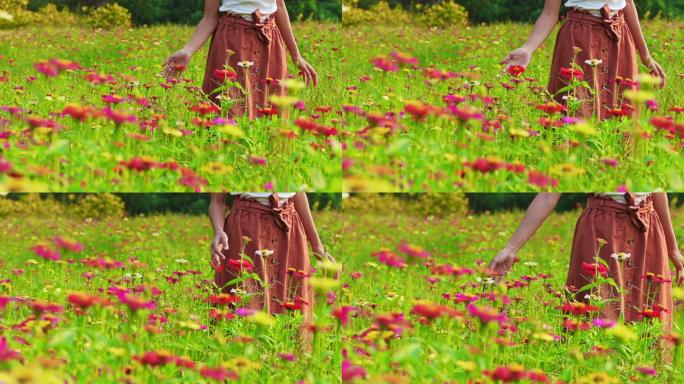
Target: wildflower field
<point x="87" y="110"/>
<point x="418" y="307"/>
<point x="433" y="110"/>
<point x="131" y="300"/>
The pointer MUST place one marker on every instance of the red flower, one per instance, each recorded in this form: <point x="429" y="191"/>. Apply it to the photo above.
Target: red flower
<point x="84" y="301"/>
<point x="595" y="269"/>
<point x="342" y="314"/>
<point x="223" y="299"/>
<point x="578" y="308"/>
<point x="155" y="358"/>
<point x="507" y="374"/>
<point x="140" y="163"/>
<point x="236" y="265"/>
<point x="205" y="108"/>
<point x="571" y="73"/>
<point x="225" y="75"/>
<point x="485" y="165"/>
<point x="515" y="70"/>
<point x="552" y="108"/>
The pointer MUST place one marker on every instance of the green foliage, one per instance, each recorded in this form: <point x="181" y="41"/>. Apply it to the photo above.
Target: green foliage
<point x="423" y="204"/>
<point x="490" y="11"/>
<point x="445" y="14"/>
<point x="110" y="16"/>
<point x="190" y="11"/>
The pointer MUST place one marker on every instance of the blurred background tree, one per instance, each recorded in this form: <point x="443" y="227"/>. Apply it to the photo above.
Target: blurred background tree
<point x="489" y="11"/>
<point x="190" y="11"/>
<point x="151" y="203"/>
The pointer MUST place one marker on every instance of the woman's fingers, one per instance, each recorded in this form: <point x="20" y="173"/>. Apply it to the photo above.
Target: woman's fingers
<point x="507" y="60"/>
<point x="314" y="75"/>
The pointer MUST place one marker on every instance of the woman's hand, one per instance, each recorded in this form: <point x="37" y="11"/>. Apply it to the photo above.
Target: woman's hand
<point x="520" y="56"/>
<point x="176" y="64"/>
<point x="656" y="69"/>
<point x="322" y="255"/>
<point x="677" y="260"/>
<point x="502" y="263"/>
<point x="218" y="246"/>
<point x="309" y="73"/>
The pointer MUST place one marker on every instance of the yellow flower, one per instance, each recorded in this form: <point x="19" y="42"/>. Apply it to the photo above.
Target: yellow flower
<point x="217" y="169"/>
<point x="466" y="365"/>
<point x="231" y="130"/>
<point x="323" y="284"/>
<point x="262" y="318"/>
<point x="622" y="332"/>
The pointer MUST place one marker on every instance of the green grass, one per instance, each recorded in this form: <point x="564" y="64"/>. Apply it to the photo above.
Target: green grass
<point x="430" y="155"/>
<point x="86" y="156"/>
<point x="456" y="350"/>
<point x="99" y="346"/>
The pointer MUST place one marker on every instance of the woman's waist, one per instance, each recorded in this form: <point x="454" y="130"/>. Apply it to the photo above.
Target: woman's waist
<point x="247" y="20"/>
<point x="609" y="203"/>
<point x="596" y="16"/>
<point x="258" y="205"/>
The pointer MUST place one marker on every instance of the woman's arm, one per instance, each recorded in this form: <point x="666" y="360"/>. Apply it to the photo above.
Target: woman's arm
<point x="540" y="208"/>
<point x="542" y="29"/>
<point x="304" y="211"/>
<point x="217" y="216"/>
<point x="283" y="22"/>
<point x="179" y="60"/>
<point x="632" y="18"/>
<point x="662" y="207"/>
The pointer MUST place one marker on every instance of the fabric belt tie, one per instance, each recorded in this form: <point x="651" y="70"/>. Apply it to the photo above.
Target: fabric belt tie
<point x="634" y="211"/>
<point x="612" y="25"/>
<point x="275" y="210"/>
<point x="263" y="28"/>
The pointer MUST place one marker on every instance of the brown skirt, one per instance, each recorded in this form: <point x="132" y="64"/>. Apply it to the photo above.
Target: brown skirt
<point x="607" y="39"/>
<point x="236" y="40"/>
<point x="630" y="229"/>
<point x="279" y="230"/>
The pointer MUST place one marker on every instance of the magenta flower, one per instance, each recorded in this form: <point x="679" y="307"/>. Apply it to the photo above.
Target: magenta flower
<point x="45" y="252"/>
<point x="486" y="314"/>
<point x="7" y="354"/>
<point x="351" y="372"/>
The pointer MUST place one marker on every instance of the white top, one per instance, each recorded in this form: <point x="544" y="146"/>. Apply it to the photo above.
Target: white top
<point x="263" y="197"/>
<point x="596" y="5"/>
<point x="620" y="197"/>
<point x="245" y="8"/>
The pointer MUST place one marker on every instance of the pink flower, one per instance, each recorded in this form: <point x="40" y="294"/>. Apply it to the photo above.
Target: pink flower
<point x="287" y="356"/>
<point x="413" y="250"/>
<point x="351" y="372"/>
<point x="68" y="244"/>
<point x="218" y="374"/>
<point x="45" y="252"/>
<point x="388" y="257"/>
<point x="486" y="314"/>
<point x="7" y="354"/>
<point x="342" y="314"/>
<point x="135" y="303"/>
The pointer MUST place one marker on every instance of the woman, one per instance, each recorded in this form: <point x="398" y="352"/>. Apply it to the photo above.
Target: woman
<point x="272" y="231"/>
<point x="248" y="45"/>
<point x="631" y="232"/>
<point x="607" y="35"/>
